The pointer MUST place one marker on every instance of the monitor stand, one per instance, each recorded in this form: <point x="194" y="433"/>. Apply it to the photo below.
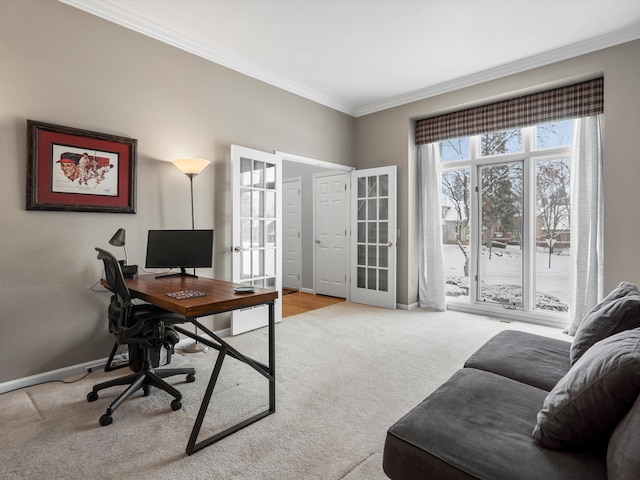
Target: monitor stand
<point x="182" y="273"/>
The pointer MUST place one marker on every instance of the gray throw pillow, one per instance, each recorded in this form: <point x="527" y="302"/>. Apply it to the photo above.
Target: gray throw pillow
<point x="623" y="461"/>
<point x="590" y="400"/>
<point x="619" y="311"/>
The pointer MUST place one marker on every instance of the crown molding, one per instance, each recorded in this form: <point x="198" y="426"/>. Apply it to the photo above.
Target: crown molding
<point x="591" y="45"/>
<point x="112" y="13"/>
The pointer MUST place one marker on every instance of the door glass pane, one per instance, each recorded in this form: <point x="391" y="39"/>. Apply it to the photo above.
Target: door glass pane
<point x="372" y="236"/>
<point x="270" y="176"/>
<point x="456" y="205"/>
<point x="258" y="174"/>
<point x="372" y="190"/>
<point x="245" y="203"/>
<point x="371" y="278"/>
<point x="270" y="262"/>
<point x="245" y="172"/>
<point x="501" y="262"/>
<point x="383" y="212"/>
<point x="362" y="249"/>
<point x="245" y="233"/>
<point x="270" y="204"/>
<point x="270" y="226"/>
<point x="372" y="256"/>
<point x="362" y="187"/>
<point x="384" y="185"/>
<point x="382" y="280"/>
<point x="362" y="283"/>
<point x="245" y="264"/>
<point x="383" y="255"/>
<point x="372" y="209"/>
<point x="553" y="240"/>
<point x="362" y="210"/>
<point x="383" y="232"/>
<point x="258" y="263"/>
<point x="257" y="203"/>
<point x="362" y="232"/>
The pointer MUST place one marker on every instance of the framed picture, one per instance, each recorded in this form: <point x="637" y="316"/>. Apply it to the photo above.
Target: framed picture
<point x="78" y="170"/>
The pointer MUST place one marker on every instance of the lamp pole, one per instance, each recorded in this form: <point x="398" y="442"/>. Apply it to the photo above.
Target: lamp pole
<point x="191" y="168"/>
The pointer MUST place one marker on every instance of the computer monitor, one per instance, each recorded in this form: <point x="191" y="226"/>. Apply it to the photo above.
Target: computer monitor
<point x="179" y="249"/>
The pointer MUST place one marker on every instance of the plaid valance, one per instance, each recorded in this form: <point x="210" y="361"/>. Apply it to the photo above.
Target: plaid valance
<point x="574" y="101"/>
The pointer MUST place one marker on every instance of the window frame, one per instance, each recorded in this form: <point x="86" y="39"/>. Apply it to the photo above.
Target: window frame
<point x="528" y="156"/>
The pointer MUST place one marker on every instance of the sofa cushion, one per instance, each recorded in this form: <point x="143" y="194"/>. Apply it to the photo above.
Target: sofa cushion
<point x="619" y="311"/>
<point x="478" y="425"/>
<point x="532" y="359"/>
<point x="587" y="403"/>
<point x="623" y="461"/>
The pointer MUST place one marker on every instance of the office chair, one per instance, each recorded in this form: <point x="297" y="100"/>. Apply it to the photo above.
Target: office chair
<point x="146" y="329"/>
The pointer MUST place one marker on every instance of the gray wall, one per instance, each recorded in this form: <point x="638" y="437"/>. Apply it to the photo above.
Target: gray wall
<point x="386" y="138"/>
<point x="63" y="66"/>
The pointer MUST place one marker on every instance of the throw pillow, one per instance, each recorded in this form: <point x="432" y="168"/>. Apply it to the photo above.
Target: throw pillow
<point x="619" y="311"/>
<point x="591" y="399"/>
<point x="623" y="462"/>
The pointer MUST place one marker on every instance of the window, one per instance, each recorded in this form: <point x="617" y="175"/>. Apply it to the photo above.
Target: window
<point x="505" y="218"/>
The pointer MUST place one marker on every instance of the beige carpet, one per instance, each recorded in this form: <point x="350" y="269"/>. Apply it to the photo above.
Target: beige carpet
<point x="345" y="373"/>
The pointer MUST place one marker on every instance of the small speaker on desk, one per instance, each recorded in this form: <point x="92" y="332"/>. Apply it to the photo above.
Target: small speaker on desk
<point x="129" y="271"/>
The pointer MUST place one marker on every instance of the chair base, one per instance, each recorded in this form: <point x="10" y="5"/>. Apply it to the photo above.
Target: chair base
<point x="145" y="379"/>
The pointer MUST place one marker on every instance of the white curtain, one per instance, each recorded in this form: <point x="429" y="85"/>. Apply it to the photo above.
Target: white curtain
<point x="431" y="288"/>
<point x="586" y="219"/>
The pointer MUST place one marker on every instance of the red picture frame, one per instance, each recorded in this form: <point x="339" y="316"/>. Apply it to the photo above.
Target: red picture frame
<point x="78" y="170"/>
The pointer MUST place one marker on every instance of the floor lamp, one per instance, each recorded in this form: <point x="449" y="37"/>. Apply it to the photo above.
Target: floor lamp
<point x="192" y="167"/>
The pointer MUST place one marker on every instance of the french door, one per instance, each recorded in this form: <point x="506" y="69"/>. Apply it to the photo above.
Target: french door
<point x="256" y="232"/>
<point x="373" y="239"/>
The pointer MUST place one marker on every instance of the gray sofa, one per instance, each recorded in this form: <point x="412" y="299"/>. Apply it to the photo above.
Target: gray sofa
<point x="526" y="406"/>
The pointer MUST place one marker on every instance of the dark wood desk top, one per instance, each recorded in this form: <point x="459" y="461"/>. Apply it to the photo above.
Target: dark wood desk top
<point x="220" y="295"/>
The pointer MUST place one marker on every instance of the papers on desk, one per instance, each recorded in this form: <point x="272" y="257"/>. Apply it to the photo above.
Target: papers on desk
<point x="247" y="289"/>
<point x="184" y="294"/>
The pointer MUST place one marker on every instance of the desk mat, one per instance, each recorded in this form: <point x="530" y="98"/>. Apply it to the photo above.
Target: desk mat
<point x="184" y="294"/>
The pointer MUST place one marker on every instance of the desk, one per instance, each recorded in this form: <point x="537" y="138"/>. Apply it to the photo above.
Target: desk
<point x="220" y="298"/>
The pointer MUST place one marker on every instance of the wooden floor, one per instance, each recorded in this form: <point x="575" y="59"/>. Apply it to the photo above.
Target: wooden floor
<point x="300" y="302"/>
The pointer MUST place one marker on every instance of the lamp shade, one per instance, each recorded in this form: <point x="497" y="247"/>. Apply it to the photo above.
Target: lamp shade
<point x="118" y="238"/>
<point x="191" y="166"/>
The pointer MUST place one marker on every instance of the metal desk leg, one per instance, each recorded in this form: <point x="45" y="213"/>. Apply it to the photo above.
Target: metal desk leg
<point x="224" y="350"/>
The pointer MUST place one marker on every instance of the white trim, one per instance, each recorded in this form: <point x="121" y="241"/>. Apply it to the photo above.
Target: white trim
<point x="404" y="306"/>
<point x="581" y="48"/>
<point x="308" y="290"/>
<point x="138" y="24"/>
<point x="291" y="157"/>
<point x="151" y="29"/>
<point x="61" y="373"/>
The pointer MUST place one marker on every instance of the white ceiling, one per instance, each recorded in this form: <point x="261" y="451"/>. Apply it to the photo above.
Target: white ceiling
<point x="360" y="56"/>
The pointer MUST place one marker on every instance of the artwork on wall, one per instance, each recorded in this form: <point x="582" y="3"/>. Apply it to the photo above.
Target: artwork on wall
<point x="78" y="170"/>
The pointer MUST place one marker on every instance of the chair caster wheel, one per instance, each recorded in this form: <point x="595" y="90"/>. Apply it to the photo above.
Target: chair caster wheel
<point x="92" y="397"/>
<point x="105" y="420"/>
<point x="191" y="378"/>
<point x="176" y="405"/>
<point x="146" y="389"/>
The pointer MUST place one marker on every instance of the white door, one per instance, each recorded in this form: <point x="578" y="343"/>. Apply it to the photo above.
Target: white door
<point x="330" y="234"/>
<point x="256" y="231"/>
<point x="292" y="233"/>
<point x="373" y="244"/>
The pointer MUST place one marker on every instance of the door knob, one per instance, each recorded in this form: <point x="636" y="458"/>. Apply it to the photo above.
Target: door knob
<point x="318" y="242"/>
<point x="237" y="249"/>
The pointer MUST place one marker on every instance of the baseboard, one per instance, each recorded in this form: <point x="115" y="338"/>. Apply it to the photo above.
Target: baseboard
<point x="81" y="368"/>
<point x="308" y="290"/>
<point x="404" y="306"/>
